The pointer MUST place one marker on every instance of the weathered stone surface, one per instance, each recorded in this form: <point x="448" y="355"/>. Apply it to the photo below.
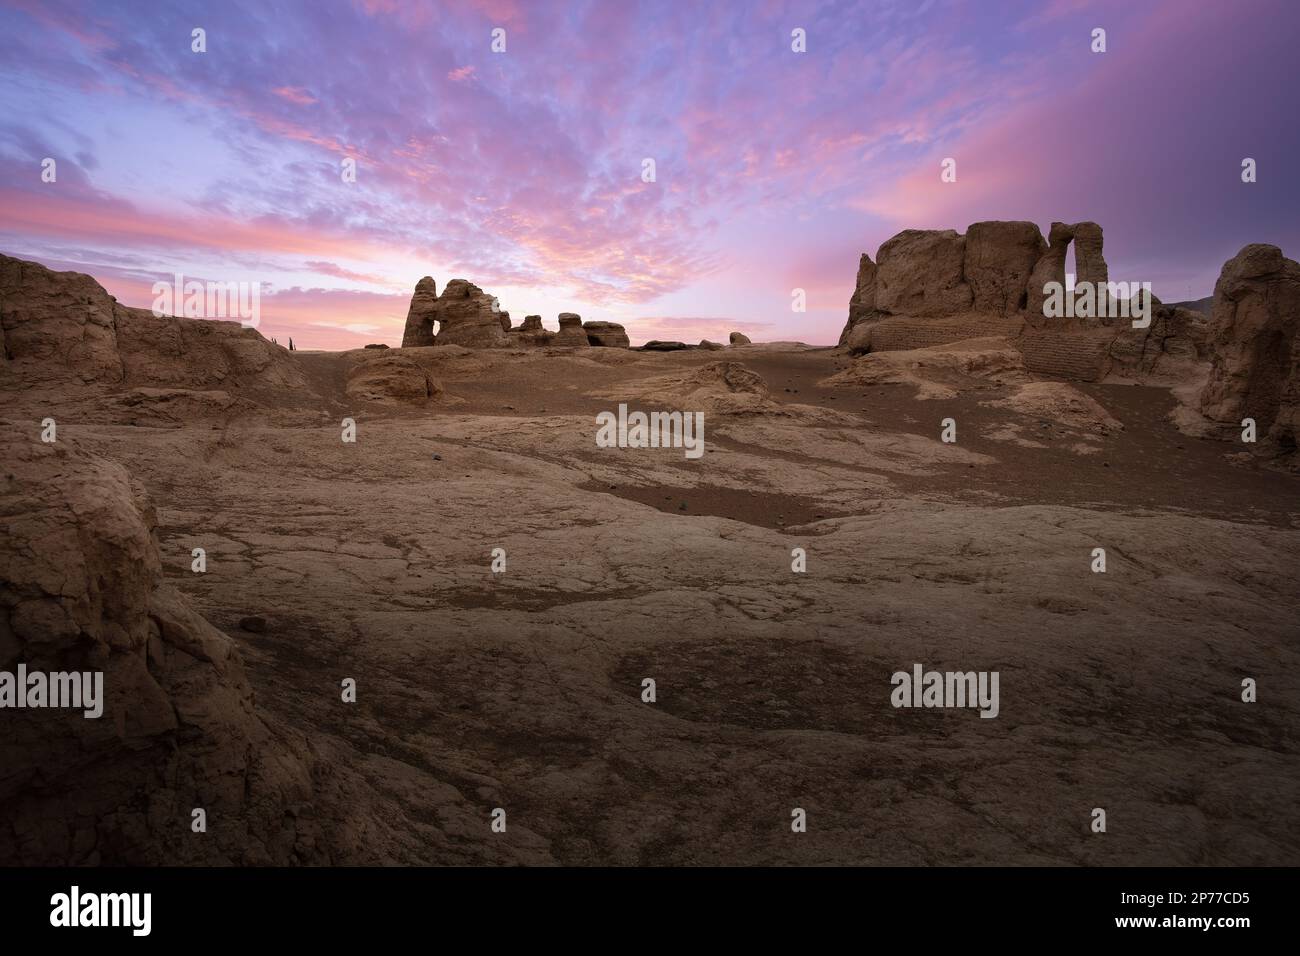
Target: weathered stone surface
<point x="571" y="333"/>
<point x="422" y="314"/>
<point x="906" y="332"/>
<point x="1089" y="263"/>
<point x="390" y="377"/>
<point x="82" y="589"/>
<point x="862" y="304"/>
<point x="1254" y="349"/>
<point x="608" y="334"/>
<point x="920" y="272"/>
<point x="1050" y="267"/>
<point x="531" y="334"/>
<point x="1167" y="350"/>
<point x="468" y="316"/>
<point x="997" y="269"/>
<point x="63" y="328"/>
<point x="858" y="339"/>
<point x="57" y="323"/>
<point x="1000" y="256"/>
<point x="320" y="538"/>
<point x="178" y="407"/>
<point x="722" y="388"/>
<point x="709" y="346"/>
<point x="657" y="345"/>
<point x="201" y="353"/>
<point x="740" y="338"/>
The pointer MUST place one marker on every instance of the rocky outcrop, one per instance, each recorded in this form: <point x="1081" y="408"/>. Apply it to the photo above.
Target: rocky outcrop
<point x="607" y="334"/>
<point x="82" y="590"/>
<point x="422" y="314"/>
<point x="857" y="339"/>
<point x="531" y="334"/>
<point x="1089" y="264"/>
<point x="937" y="287"/>
<point x="178" y="407"/>
<point x="995" y="269"/>
<point x="709" y="346"/>
<point x="716" y="388"/>
<point x="1254" y="347"/>
<point x="62" y="328"/>
<point x="166" y="351"/>
<point x="658" y="345"/>
<point x="390" y="377"/>
<point x="571" y="333"/>
<point x="740" y="338"/>
<point x="468" y="316"/>
<point x="57" y="324"/>
<point x="862" y="304"/>
<point x="1090" y="269"/>
<point x="999" y="259"/>
<point x="920" y="272"/>
<point x="1168" y="350"/>
<point x="463" y="315"/>
<point x="1050" y="267"/>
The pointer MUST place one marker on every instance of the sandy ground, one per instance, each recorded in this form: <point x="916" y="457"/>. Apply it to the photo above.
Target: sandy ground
<point x="523" y="690"/>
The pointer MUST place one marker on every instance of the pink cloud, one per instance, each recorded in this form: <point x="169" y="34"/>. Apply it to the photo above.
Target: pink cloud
<point x="115" y="223"/>
<point x="294" y="94"/>
<point x="338" y="272"/>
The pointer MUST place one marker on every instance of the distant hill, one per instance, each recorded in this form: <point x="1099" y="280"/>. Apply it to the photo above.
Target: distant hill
<point x="1197" y="305"/>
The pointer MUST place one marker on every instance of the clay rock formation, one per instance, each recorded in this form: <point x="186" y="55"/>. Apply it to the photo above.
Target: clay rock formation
<point x="1000" y="256"/>
<point x="178" y="407"/>
<point x="1168" y="349"/>
<point x="709" y="346"/>
<point x="1050" y="267"/>
<point x="62" y="321"/>
<point x="740" y="338"/>
<point x="925" y="277"/>
<point x="531" y="334"/>
<point x="82" y="589"/>
<point x="571" y="333"/>
<point x="1255" y="349"/>
<point x="607" y="334"/>
<point x="1090" y="267"/>
<point x="937" y="372"/>
<point x="659" y="345"/>
<point x="468" y="316"/>
<point x="390" y="377"/>
<point x="716" y="388"/>
<point x="862" y="304"/>
<point x="1089" y="264"/>
<point x="422" y="314"/>
<point x="62" y="328"/>
<point x="857" y="338"/>
<point x="1060" y="404"/>
<point x="722" y="387"/>
<point x="920" y="272"/>
<point x="933" y="288"/>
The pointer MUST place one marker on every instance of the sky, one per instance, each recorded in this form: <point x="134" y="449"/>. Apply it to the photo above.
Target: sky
<point x="523" y="169"/>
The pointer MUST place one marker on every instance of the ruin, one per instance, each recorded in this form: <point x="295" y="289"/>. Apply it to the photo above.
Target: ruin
<point x="931" y="287"/>
<point x="1254" y="350"/>
<point x="466" y="315"/>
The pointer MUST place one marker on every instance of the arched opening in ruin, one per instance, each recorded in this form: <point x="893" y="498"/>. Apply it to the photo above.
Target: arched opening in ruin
<point x="1071" y="270"/>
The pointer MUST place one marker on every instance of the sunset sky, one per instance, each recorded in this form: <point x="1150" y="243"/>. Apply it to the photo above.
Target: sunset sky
<point x="521" y="171"/>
